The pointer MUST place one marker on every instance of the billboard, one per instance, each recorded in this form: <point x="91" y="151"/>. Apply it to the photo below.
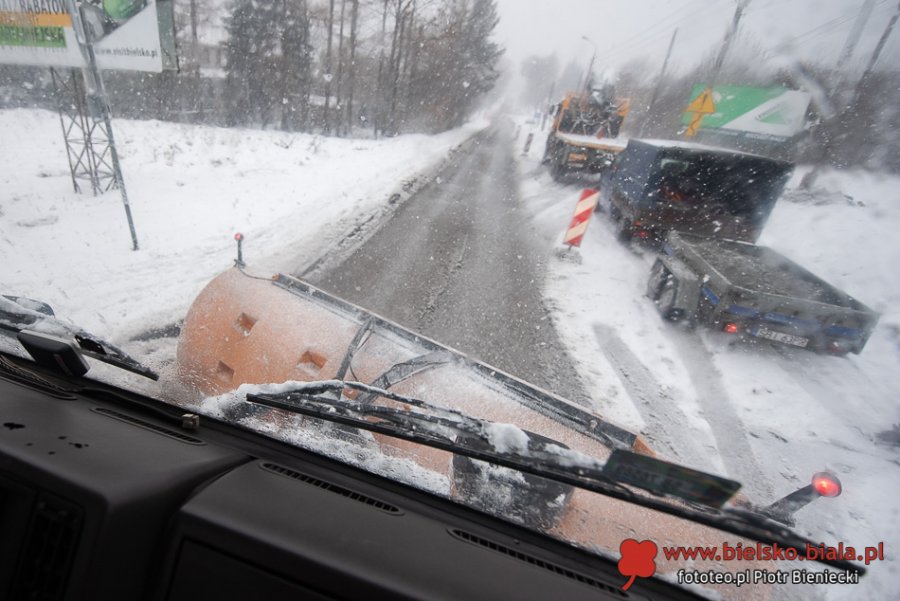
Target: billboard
<point x="133" y="35"/>
<point x="775" y="114"/>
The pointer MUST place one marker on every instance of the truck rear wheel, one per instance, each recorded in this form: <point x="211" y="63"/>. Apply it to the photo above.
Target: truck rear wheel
<point x="557" y="166"/>
<point x="665" y="304"/>
<point x="658" y="277"/>
<point x="624" y="232"/>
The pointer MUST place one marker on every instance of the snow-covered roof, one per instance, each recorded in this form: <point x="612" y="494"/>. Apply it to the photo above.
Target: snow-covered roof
<point x="612" y="144"/>
<point x="695" y="146"/>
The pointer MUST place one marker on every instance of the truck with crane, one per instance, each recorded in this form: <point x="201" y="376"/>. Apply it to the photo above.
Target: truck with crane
<point x="584" y="133"/>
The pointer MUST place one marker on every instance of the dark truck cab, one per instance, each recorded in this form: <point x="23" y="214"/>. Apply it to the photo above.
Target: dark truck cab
<point x="655" y="186"/>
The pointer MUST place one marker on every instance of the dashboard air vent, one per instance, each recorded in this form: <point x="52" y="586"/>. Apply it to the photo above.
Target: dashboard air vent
<point x="49" y="549"/>
<point x="552" y="567"/>
<point x="344" y="492"/>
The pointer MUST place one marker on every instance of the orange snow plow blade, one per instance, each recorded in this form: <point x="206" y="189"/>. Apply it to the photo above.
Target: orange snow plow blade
<point x="244" y="329"/>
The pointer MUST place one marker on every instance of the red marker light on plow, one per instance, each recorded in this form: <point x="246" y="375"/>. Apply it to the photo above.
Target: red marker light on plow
<point x="583" y="211"/>
<point x="826" y="484"/>
<point x="239" y="237"/>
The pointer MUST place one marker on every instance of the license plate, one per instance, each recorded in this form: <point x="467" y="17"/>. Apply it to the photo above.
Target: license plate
<point x="574" y="156"/>
<point x="782" y="337"/>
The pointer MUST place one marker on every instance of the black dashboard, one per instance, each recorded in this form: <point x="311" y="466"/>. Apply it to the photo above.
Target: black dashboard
<point x="105" y="496"/>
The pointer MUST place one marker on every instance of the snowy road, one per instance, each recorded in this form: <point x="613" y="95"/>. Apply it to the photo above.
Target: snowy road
<point x="459" y="263"/>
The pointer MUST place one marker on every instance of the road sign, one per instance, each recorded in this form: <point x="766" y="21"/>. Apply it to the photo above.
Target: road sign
<point x="583" y="211"/>
<point x="702" y="104"/>
<point x="699" y="107"/>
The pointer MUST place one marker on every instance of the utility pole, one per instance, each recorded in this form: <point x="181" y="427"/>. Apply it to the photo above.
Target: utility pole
<point x="706" y="98"/>
<point x="658" y="86"/>
<point x="729" y="38"/>
<point x="590" y="69"/>
<point x="852" y="40"/>
<point x="861" y="84"/>
<point x="849" y="111"/>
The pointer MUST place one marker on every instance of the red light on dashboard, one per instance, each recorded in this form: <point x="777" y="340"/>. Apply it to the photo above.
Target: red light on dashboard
<point x="826" y="484"/>
<point x="730" y="328"/>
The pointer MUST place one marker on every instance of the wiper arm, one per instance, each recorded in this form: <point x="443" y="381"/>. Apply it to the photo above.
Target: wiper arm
<point x="455" y="432"/>
<point x="17" y="314"/>
<point x="442" y="428"/>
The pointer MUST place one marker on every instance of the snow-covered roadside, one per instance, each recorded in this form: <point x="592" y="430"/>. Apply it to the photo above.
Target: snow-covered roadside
<point x="191" y="188"/>
<point x="768" y="416"/>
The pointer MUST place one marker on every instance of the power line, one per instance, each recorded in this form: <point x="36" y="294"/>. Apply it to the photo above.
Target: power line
<point x="818" y="31"/>
<point x="665" y="24"/>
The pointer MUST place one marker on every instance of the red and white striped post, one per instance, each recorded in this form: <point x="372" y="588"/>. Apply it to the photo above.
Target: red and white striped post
<point x="583" y="211"/>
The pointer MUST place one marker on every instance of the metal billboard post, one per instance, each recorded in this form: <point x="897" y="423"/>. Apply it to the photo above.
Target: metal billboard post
<point x="97" y="102"/>
<point x="87" y="146"/>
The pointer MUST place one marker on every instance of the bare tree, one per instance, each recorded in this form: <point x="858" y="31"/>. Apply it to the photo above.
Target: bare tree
<point x="354" y="21"/>
<point x="328" y="69"/>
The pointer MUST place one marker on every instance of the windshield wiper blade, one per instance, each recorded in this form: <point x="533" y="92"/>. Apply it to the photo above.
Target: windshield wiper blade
<point x="17" y="314"/>
<point x="456" y="432"/>
<point x="439" y="427"/>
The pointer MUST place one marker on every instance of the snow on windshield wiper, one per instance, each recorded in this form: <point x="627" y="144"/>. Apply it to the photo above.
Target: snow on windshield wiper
<point x="442" y="428"/>
<point x="19" y="313"/>
<point x="508" y="446"/>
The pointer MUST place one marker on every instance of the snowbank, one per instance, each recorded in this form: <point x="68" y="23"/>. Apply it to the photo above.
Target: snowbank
<point x="191" y="188"/>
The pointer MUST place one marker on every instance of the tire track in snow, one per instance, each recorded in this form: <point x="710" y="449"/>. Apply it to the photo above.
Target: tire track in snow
<point x="434" y="297"/>
<point x="728" y="429"/>
<point x="851" y="409"/>
<point x="667" y="427"/>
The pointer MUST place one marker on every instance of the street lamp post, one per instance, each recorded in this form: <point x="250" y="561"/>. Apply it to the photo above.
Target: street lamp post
<point x="590" y="69"/>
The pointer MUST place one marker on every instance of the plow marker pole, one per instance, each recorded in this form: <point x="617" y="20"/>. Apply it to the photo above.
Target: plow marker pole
<point x="583" y="211"/>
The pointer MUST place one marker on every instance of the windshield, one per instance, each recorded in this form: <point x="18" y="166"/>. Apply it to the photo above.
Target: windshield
<point x="545" y="218"/>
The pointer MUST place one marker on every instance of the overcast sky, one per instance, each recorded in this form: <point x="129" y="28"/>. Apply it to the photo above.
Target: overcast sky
<point x="624" y="29"/>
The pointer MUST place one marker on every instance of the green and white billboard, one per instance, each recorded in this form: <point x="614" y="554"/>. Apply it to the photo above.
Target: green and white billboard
<point x="762" y="113"/>
<point x="134" y="35"/>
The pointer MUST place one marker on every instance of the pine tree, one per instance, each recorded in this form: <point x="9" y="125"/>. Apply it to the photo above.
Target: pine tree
<point x="246" y="53"/>
<point x="295" y="70"/>
<point x="268" y="63"/>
